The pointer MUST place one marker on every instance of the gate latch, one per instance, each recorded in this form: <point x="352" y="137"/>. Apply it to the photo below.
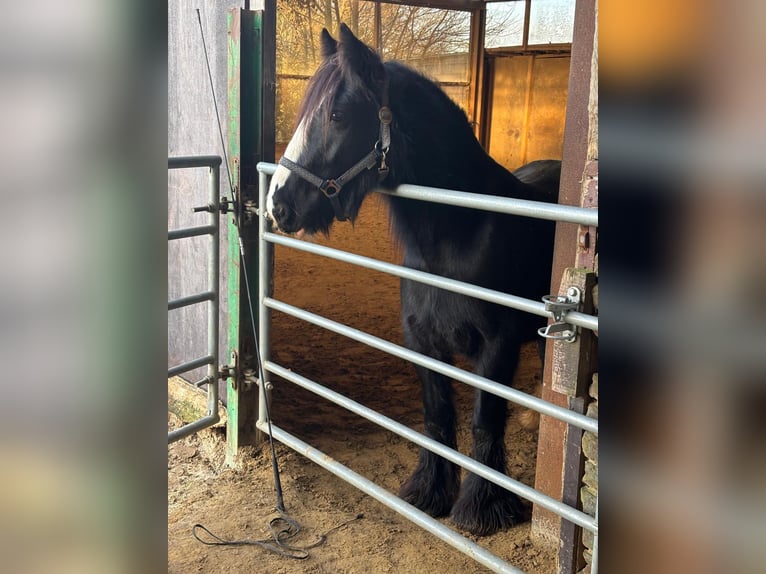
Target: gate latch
<point x="558" y="305"/>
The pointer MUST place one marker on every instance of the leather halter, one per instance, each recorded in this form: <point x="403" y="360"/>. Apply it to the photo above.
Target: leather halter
<point x="331" y="187"/>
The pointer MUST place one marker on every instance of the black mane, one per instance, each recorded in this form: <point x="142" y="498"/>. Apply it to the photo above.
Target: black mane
<point x="447" y="154"/>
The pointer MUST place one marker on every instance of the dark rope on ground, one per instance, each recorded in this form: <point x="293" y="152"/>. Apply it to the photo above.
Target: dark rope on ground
<point x="283" y="529"/>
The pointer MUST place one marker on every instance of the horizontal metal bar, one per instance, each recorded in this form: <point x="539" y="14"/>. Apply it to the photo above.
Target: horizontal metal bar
<point x="581" y="320"/>
<point x="393" y="502"/>
<point x="497" y="204"/>
<point x="512" y="301"/>
<point x="191" y="232"/>
<point x="293" y="77"/>
<point x="203" y="381"/>
<point x="190" y="300"/>
<point x="508" y="393"/>
<point x="527" y="492"/>
<point x="189" y="365"/>
<point x="266" y="167"/>
<point x="182" y="162"/>
<point x="490" y="295"/>
<point x="453" y="84"/>
<point x="191" y="428"/>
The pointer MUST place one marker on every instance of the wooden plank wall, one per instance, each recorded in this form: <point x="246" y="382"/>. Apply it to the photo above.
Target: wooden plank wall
<point x="193" y="130"/>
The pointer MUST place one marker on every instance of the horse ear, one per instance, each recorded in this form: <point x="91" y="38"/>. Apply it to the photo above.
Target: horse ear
<point x="359" y="60"/>
<point x="329" y="45"/>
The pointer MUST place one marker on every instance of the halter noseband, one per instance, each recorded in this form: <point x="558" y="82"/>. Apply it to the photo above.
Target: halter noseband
<point x="331" y="187"/>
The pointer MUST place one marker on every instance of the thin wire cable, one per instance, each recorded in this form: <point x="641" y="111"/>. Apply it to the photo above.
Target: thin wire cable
<point x="262" y="379"/>
<point x="217" y="115"/>
<point x="274" y="463"/>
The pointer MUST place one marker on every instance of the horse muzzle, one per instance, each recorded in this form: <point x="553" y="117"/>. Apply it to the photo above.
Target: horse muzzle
<point x="284" y="218"/>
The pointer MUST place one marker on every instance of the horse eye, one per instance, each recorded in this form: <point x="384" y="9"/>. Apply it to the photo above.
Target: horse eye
<point x="336" y="117"/>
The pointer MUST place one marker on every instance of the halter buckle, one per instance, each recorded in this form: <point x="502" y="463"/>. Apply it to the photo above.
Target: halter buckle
<point x="385" y="116"/>
<point x="329" y="188"/>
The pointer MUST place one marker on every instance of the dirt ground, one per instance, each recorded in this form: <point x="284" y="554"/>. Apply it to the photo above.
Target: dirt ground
<point x="238" y="503"/>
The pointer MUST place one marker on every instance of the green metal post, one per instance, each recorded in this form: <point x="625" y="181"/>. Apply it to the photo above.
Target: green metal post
<point x="251" y="61"/>
<point x="234" y="383"/>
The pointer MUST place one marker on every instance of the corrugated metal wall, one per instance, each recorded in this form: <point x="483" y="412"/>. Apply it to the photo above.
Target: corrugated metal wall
<point x="528" y="95"/>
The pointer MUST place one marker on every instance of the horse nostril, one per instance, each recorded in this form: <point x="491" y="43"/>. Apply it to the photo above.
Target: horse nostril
<point x="279" y="211"/>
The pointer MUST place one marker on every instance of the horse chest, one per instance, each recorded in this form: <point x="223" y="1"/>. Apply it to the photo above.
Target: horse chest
<point x="444" y="321"/>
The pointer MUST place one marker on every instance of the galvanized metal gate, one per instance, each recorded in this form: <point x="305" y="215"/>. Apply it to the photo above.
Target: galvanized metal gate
<point x="210" y="296"/>
<point x="565" y="320"/>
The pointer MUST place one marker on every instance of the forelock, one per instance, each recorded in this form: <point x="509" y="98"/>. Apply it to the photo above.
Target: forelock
<point x="323" y="86"/>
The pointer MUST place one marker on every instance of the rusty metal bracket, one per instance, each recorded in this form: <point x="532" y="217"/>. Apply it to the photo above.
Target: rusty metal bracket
<point x="558" y="305"/>
<point x="231" y="371"/>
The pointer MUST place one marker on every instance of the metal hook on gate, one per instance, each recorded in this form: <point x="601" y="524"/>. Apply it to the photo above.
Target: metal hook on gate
<point x="558" y="305"/>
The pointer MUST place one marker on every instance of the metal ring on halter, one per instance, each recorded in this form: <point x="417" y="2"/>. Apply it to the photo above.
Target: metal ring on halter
<point x="327" y="186"/>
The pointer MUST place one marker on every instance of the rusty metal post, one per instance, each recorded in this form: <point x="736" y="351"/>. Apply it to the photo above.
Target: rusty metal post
<point x="553" y="455"/>
<point x="476" y="55"/>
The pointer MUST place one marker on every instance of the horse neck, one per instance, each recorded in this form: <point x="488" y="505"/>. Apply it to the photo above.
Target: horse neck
<point x="432" y="141"/>
<point x="433" y="145"/>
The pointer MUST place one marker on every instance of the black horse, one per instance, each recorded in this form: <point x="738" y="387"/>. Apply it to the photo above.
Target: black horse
<point x="371" y="124"/>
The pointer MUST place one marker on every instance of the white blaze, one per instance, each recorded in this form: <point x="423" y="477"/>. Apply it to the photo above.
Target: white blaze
<point x="293" y="152"/>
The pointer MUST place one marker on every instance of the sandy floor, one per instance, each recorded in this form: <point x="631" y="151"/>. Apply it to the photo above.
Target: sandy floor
<point x="238" y="503"/>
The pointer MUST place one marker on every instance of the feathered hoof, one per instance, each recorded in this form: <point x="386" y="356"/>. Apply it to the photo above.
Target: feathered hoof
<point x="488" y="514"/>
<point x="432" y="498"/>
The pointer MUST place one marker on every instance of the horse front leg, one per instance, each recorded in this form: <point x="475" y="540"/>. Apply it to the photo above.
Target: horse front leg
<point x="483" y="507"/>
<point x="434" y="485"/>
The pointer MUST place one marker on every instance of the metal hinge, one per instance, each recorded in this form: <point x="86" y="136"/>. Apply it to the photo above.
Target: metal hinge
<point x="224" y="206"/>
<point x="251" y="378"/>
<point x="251" y="211"/>
<point x="558" y="305"/>
<point x="237" y="373"/>
<point x="230" y="371"/>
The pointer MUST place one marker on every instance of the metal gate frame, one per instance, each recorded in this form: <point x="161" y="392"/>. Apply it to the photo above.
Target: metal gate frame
<point x="561" y="213"/>
<point x="212" y="295"/>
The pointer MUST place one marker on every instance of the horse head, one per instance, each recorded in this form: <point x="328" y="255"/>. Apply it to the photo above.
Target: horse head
<point x="338" y="151"/>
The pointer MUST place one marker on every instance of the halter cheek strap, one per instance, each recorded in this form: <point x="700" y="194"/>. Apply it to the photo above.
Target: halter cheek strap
<point x="377" y="156"/>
